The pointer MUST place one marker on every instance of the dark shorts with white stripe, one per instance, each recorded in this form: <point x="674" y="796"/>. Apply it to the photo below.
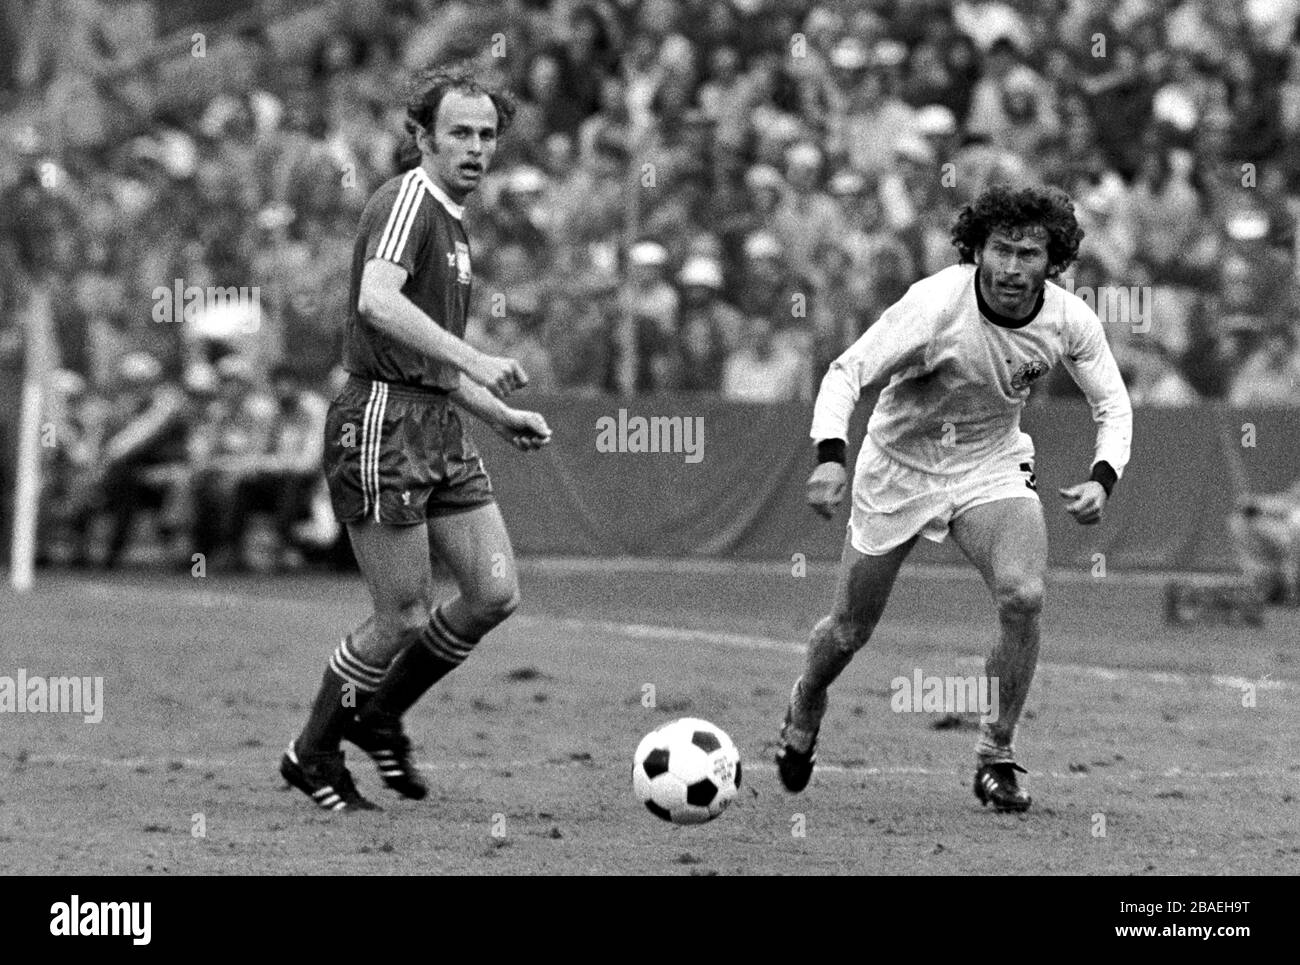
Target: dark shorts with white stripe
<point x="397" y="454"/>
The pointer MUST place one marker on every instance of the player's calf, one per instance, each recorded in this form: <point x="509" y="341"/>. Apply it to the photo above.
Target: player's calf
<point x="831" y="647"/>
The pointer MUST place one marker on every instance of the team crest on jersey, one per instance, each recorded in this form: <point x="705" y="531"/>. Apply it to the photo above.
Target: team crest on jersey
<point x="1027" y="373"/>
<point x="462" y="263"/>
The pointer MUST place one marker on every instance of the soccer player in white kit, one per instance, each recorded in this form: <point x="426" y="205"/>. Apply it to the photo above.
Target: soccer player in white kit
<point x="954" y="359"/>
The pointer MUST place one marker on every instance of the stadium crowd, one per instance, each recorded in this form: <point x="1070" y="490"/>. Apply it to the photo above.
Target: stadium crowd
<point x="697" y="195"/>
<point x="206" y="458"/>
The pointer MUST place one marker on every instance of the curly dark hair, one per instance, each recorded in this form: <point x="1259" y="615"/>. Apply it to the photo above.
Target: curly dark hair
<point x="425" y="91"/>
<point x="1004" y="206"/>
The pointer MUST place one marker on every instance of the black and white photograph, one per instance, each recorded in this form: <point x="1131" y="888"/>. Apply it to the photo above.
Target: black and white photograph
<point x="673" y="438"/>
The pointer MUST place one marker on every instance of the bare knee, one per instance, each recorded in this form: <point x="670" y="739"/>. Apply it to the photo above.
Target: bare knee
<point x="403" y="616"/>
<point x="495" y="604"/>
<point x="1019" y="597"/>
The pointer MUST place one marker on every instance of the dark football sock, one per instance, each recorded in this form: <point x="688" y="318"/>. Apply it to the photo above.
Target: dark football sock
<point x="347" y="682"/>
<point x="436" y="652"/>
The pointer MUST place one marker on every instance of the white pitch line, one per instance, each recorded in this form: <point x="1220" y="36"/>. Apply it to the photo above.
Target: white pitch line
<point x="165" y="764"/>
<point x="162" y="764"/>
<point x="947" y="572"/>
<point x="743" y="641"/>
<point x="739" y="641"/>
<point x="650" y="631"/>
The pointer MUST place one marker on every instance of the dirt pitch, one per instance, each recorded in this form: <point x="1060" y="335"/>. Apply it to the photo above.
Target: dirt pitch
<point x="206" y="680"/>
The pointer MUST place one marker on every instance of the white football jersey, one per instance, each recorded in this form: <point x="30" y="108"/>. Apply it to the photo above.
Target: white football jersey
<point x="955" y="379"/>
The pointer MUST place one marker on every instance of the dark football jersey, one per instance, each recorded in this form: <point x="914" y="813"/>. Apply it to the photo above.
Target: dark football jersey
<point x="411" y="222"/>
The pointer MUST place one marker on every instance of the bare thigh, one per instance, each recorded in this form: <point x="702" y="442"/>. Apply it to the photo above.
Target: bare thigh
<point x="1006" y="540"/>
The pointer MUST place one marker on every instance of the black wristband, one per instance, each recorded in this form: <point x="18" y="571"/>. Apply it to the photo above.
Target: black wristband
<point x="1104" y="474"/>
<point x="832" y="450"/>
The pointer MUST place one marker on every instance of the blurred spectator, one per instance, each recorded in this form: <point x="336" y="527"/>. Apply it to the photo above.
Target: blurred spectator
<point x="519" y="216"/>
<point x="72" y="438"/>
<point x="805" y="218"/>
<point x="769" y="287"/>
<point x="552" y="100"/>
<point x="240" y="422"/>
<point x="839" y="314"/>
<point x="989" y="22"/>
<point x="753" y="211"/>
<point x="874" y="119"/>
<point x="514" y="334"/>
<point x="581" y="337"/>
<point x="1029" y="115"/>
<point x="267" y="459"/>
<point x="139" y="466"/>
<point x="281" y="480"/>
<point x="587" y="210"/>
<point x="587" y="55"/>
<point x="647" y="322"/>
<point x="708" y="327"/>
<point x="766" y="368"/>
<point x="882" y="265"/>
<point x="1119" y="102"/>
<point x="1168" y="211"/>
<point x="1152" y="377"/>
<point x="1004" y="69"/>
<point x="1270" y="376"/>
<point x="612" y="123"/>
<point x="942" y="71"/>
<point x="656" y="118"/>
<point x="724" y="97"/>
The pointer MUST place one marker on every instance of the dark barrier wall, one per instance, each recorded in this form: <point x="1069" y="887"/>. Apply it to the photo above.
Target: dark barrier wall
<point x="745" y="497"/>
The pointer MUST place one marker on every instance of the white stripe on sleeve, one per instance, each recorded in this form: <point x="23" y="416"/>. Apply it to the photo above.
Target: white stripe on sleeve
<point x="400" y="219"/>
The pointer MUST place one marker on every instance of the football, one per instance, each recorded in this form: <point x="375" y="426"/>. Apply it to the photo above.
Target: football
<point x="686" y="772"/>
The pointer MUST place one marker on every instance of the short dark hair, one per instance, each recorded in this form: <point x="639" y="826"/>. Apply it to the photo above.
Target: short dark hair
<point x="1002" y="206"/>
<point x="430" y="85"/>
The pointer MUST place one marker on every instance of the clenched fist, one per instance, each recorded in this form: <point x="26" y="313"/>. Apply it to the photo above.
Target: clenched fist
<point x="500" y="376"/>
<point x="826" y="488"/>
<point x="1085" y="501"/>
<point x="524" y="430"/>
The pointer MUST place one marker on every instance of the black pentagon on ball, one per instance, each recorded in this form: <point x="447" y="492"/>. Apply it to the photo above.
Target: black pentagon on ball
<point x="657" y="811"/>
<point x="701" y="793"/>
<point x="706" y="741"/>
<point x="656" y="763"/>
<point x="737" y="773"/>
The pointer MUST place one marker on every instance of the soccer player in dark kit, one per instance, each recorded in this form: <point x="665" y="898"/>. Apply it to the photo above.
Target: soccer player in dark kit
<point x="403" y="474"/>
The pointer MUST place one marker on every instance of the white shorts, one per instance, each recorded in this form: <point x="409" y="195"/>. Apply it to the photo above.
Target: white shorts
<point x="892" y="502"/>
